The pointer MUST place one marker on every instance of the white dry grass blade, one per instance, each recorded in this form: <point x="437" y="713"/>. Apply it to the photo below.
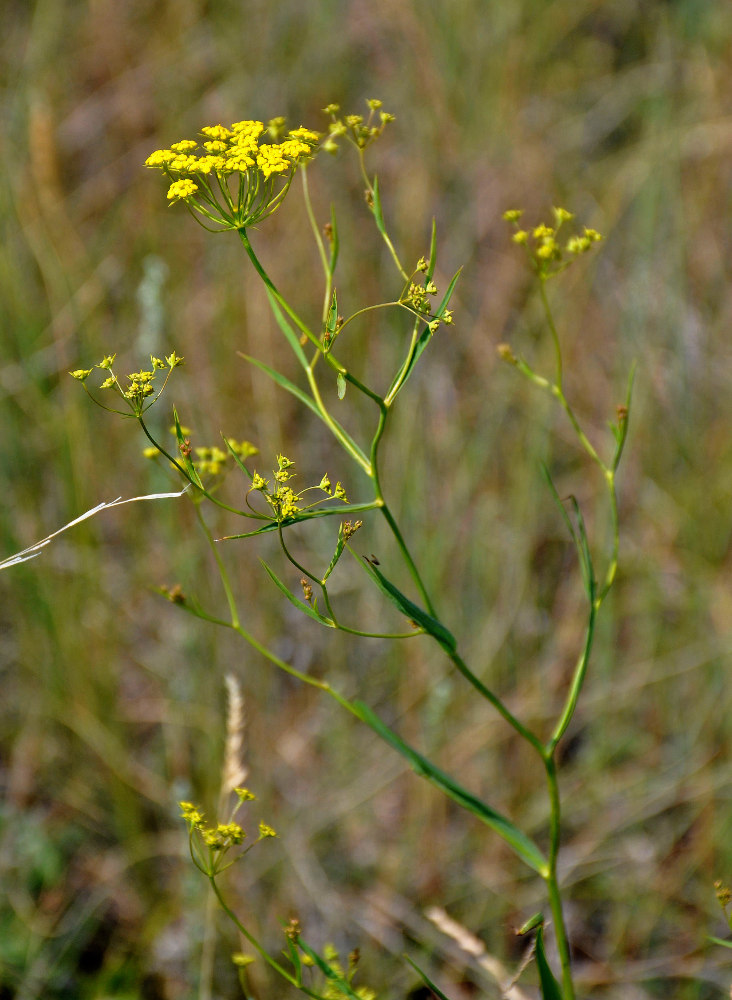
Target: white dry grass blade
<point x="473" y="946"/>
<point x="35" y="550"/>
<point x="235" y="770"/>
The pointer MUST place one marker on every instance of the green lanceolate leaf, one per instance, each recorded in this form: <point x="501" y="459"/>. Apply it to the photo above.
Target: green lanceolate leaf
<point x="520" y="843"/>
<point x="340" y="546"/>
<point x="305" y="608"/>
<point x="716" y="940"/>
<point x="424" y="338"/>
<point x="307" y="515"/>
<point x="408" y="608"/>
<point x="341" y="383"/>
<point x="433" y="252"/>
<point x="331" y="321"/>
<point x="334" y="241"/>
<point x="182" y="449"/>
<point x="283" y="382"/>
<point x="427" y="981"/>
<point x="550" y="988"/>
<point x="376" y="209"/>
<point x="329" y="972"/>
<point x="579" y="536"/>
<point x="293" y="338"/>
<point x="237" y="459"/>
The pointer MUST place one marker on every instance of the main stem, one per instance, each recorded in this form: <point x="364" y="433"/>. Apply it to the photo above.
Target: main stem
<point x="552" y="883"/>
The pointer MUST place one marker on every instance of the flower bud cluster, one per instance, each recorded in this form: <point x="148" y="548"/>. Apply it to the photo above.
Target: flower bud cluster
<point x="357" y="129"/>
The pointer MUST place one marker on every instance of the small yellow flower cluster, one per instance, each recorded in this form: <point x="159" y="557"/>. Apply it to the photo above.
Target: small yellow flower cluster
<point x="283" y="500"/>
<point x="361" y="132"/>
<point x="223" y="836"/>
<point x="200" y="173"/>
<point x="140" y="383"/>
<point x="546" y="252"/>
<point x="417" y="297"/>
<point x="332" y="990"/>
<point x="213" y="461"/>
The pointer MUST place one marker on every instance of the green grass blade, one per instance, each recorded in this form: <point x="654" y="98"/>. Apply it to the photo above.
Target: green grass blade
<point x="301" y="605"/>
<point x="519" y="842"/>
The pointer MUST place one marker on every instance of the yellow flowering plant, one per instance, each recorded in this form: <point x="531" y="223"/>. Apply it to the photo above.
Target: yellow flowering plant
<point x="233" y="178"/>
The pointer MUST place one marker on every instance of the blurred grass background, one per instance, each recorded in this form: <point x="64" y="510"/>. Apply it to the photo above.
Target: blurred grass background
<point x="113" y="701"/>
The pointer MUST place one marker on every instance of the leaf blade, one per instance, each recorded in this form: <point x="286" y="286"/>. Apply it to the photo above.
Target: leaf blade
<point x="520" y="843"/>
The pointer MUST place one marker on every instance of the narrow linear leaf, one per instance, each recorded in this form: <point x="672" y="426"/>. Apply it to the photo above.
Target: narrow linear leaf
<point x="294" y="956"/>
<point x="334" y="241"/>
<point x="578" y="535"/>
<point x="378" y="214"/>
<point x="433" y="252"/>
<point x="237" y="459"/>
<point x="408" y="608"/>
<point x="332" y="319"/>
<point x="185" y="459"/>
<point x="560" y="506"/>
<point x="520" y="843"/>
<point x="445" y="301"/>
<point x="340" y="546"/>
<point x="550" y="988"/>
<point x="588" y="571"/>
<point x="293" y="338"/>
<point x="283" y="382"/>
<point x="424" y="338"/>
<point x="305" y="608"/>
<point x="304" y="516"/>
<point x="329" y="972"/>
<point x="426" y="980"/>
<point x="716" y="940"/>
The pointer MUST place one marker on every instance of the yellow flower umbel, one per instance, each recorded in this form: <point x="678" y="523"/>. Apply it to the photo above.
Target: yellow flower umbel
<point x="547" y="254"/>
<point x="210" y="845"/>
<point x="283" y="500"/>
<point x="232" y="177"/>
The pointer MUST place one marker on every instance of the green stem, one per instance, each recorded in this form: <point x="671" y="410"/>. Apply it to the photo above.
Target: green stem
<point x="576" y="685"/>
<point x="335" y="429"/>
<point x="384" y="234"/>
<point x="299" y="323"/>
<point x="319" y="242"/>
<point x="389" y="517"/>
<point x="494" y="700"/>
<point x="552" y="884"/>
<point x="226" y="583"/>
<point x="553" y="329"/>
